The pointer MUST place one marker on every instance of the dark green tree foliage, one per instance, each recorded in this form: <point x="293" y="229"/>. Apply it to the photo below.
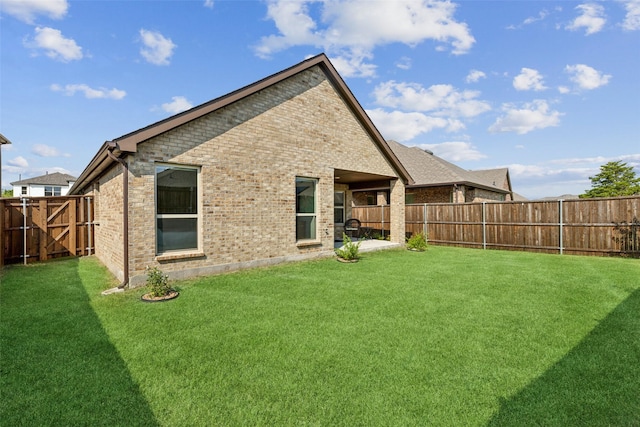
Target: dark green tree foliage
<point x="615" y="179"/>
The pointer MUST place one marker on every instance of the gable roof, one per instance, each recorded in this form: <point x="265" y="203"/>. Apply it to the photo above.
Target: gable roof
<point x="429" y="170"/>
<point x="55" y="178"/>
<point x="128" y="143"/>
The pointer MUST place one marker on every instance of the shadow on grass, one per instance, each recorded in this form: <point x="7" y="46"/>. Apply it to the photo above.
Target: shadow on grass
<point x="58" y="365"/>
<point x="596" y="384"/>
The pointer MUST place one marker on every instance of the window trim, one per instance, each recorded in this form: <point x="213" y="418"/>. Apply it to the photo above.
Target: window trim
<point x="307" y="214"/>
<point x="52" y="189"/>
<point x="343" y="207"/>
<point x="170" y="254"/>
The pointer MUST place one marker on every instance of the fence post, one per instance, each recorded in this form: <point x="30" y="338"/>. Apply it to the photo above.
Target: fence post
<point x="382" y="220"/>
<point x="484" y="226"/>
<point x="24" y="230"/>
<point x="88" y="225"/>
<point x="424" y="227"/>
<point x="561" y="220"/>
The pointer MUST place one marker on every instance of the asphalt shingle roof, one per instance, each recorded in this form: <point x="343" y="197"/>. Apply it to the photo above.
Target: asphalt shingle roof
<point x="428" y="169"/>
<point x="55" y="178"/>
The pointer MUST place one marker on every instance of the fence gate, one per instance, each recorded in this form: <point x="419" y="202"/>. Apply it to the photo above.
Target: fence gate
<point x="41" y="228"/>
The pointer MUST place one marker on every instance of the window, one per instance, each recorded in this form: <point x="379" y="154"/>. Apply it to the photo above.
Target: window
<point x="306" y="208"/>
<point x="409" y="199"/>
<point x="371" y="199"/>
<point x="52" y="191"/>
<point x="338" y="207"/>
<point x="24" y="191"/>
<point x="176" y="208"/>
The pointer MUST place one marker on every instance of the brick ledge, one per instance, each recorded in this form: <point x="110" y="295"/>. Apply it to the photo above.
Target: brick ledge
<point x="173" y="257"/>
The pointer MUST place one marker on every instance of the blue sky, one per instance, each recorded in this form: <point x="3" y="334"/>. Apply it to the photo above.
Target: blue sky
<point x="549" y="89"/>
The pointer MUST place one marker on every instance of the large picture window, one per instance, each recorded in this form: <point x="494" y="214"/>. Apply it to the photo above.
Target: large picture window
<point x="176" y="208"/>
<point x="306" y="208"/>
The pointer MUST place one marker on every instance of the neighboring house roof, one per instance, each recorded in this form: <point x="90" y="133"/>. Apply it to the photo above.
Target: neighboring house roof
<point x="55" y="178"/>
<point x="429" y="170"/>
<point x="128" y="143"/>
<point x="4" y="140"/>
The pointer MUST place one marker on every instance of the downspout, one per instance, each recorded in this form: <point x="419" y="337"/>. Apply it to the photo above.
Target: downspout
<point x="125" y="211"/>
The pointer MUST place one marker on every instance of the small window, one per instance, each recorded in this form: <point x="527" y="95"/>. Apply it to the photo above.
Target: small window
<point x="24" y="191"/>
<point x="371" y="200"/>
<point x="306" y="208"/>
<point x="176" y="208"/>
<point x="52" y="191"/>
<point x="338" y="207"/>
<point x="409" y="199"/>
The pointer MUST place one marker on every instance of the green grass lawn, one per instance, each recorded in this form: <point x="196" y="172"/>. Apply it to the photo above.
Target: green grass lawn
<point x="450" y="336"/>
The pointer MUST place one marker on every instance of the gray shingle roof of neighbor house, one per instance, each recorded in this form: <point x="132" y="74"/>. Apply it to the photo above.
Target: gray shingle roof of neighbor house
<point x="55" y="178"/>
<point x="128" y="143"/>
<point x="429" y="170"/>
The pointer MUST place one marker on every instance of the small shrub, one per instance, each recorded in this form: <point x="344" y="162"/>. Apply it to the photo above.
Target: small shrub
<point x="417" y="242"/>
<point x="349" y="250"/>
<point x="158" y="282"/>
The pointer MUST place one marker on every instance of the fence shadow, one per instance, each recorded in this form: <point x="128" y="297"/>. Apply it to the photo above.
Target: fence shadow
<point x="58" y="364"/>
<point x="596" y="384"/>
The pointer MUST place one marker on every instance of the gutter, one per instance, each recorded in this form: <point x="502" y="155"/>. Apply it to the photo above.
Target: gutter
<point x="111" y="148"/>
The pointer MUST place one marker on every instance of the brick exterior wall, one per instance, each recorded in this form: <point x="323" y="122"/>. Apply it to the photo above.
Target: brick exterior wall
<point x="445" y="194"/>
<point x="108" y="232"/>
<point x="249" y="154"/>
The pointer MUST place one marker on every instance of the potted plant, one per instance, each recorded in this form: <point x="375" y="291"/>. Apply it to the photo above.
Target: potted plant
<point x="159" y="288"/>
<point x="349" y="252"/>
<point x="417" y="242"/>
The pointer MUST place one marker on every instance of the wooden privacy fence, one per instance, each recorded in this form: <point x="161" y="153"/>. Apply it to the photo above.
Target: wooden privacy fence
<point x="581" y="227"/>
<point x="41" y="228"/>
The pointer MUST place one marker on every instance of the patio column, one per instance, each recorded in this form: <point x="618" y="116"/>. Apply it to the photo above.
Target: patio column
<point x="396" y="205"/>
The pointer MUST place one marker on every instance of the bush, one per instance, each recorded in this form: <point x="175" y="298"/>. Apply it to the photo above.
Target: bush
<point x="158" y="282"/>
<point x="417" y="242"/>
<point x="349" y="250"/>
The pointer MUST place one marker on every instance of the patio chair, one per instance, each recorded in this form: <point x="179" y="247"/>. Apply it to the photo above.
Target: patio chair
<point x="352" y="228"/>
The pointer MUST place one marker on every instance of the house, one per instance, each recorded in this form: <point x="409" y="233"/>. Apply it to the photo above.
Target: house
<point x="439" y="181"/>
<point x="259" y="176"/>
<point x="3" y="141"/>
<point x="50" y="184"/>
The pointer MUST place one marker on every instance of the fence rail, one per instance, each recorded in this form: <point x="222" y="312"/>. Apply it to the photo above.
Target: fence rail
<point x="41" y="228"/>
<point x="581" y="227"/>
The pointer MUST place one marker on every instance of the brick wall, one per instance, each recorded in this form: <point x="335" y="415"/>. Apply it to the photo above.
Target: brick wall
<point x="249" y="154"/>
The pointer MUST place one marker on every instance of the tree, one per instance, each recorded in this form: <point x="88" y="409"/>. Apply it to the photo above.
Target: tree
<point x="7" y="193"/>
<point x="615" y="179"/>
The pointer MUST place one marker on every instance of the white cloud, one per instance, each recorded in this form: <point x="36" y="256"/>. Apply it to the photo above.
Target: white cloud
<point x="541" y="16"/>
<point x="563" y="90"/>
<point x="208" y="3"/>
<point x="455" y="151"/>
<point x="349" y="30"/>
<point x="157" y="48"/>
<point x="401" y="126"/>
<point x="55" y="45"/>
<point x="561" y="176"/>
<point x="632" y="19"/>
<point x="586" y="77"/>
<point x="474" y="76"/>
<point x="27" y="10"/>
<point x="534" y="115"/>
<point x="177" y="105"/>
<point x="404" y="63"/>
<point x="19" y="162"/>
<point x="440" y="99"/>
<point x="89" y="92"/>
<point x="529" y="79"/>
<point x="592" y="18"/>
<point x="42" y="150"/>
